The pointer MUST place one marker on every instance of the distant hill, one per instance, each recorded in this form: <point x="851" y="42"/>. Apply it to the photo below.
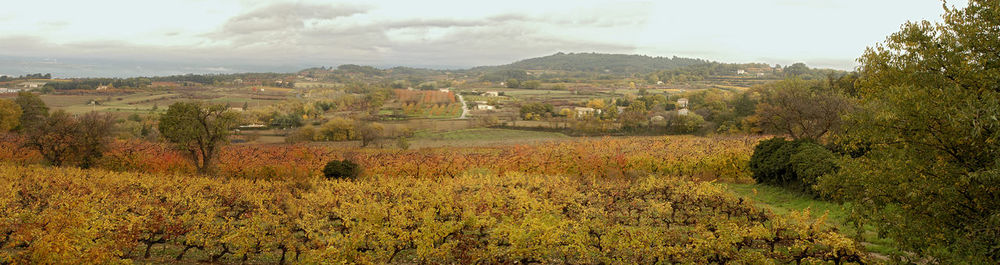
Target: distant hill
<point x="597" y="62"/>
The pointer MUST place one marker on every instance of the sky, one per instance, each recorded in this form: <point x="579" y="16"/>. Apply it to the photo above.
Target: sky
<point x="119" y="38"/>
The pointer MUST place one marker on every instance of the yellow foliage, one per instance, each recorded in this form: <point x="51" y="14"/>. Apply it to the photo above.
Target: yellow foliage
<point x="74" y="216"/>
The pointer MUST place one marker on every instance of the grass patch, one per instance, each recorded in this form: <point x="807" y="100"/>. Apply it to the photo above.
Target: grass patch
<point x="782" y="201"/>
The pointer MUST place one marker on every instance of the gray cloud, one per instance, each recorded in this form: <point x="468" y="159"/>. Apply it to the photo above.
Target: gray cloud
<point x="286" y="16"/>
<point x="302" y="34"/>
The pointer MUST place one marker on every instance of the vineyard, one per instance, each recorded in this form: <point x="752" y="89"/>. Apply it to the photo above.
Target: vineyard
<point x="599" y="201"/>
<point x="718" y="158"/>
<point x="76" y="216"/>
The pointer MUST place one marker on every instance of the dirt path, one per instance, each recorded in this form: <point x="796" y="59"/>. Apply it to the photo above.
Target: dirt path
<point x="465" y="108"/>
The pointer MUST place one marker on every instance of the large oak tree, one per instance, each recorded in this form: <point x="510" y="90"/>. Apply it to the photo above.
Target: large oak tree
<point x="199" y="129"/>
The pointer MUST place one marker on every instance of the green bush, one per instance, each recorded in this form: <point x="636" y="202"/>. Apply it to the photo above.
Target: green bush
<point x="343" y="169"/>
<point x="794" y="164"/>
<point x="810" y="162"/>
<point x="770" y="162"/>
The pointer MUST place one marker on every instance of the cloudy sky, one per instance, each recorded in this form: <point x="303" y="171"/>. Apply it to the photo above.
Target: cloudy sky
<point x="139" y="37"/>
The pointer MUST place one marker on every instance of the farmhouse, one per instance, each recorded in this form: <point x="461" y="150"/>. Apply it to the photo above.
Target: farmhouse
<point x="484" y="107"/>
<point x="682" y="103"/>
<point x="253" y="127"/>
<point x="491" y="94"/>
<point x="31" y="84"/>
<point x="582" y="111"/>
<point x="682" y="112"/>
<point x="9" y="90"/>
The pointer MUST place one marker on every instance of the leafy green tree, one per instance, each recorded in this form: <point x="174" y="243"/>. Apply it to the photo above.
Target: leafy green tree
<point x="689" y="123"/>
<point x="532" y="84"/>
<point x="634" y="115"/>
<point x="513" y="83"/>
<point x="199" y="129"/>
<point x="10" y="115"/>
<point x="33" y="109"/>
<point x="931" y="98"/>
<point x="535" y="110"/>
<point x="337" y="129"/>
<point x="370" y="132"/>
<point x="796" y="69"/>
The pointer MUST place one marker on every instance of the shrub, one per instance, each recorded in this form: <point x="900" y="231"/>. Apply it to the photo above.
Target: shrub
<point x="343" y="169"/>
<point x="810" y="162"/>
<point x="770" y="161"/>
<point x="795" y="164"/>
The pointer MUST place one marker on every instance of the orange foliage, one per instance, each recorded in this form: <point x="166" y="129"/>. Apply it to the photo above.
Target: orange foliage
<point x="694" y="157"/>
<point x="12" y="150"/>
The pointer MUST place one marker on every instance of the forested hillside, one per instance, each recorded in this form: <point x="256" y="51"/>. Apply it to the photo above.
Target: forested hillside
<point x="597" y="62"/>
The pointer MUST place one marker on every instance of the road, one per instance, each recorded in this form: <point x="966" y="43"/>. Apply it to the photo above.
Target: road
<point x="465" y="108"/>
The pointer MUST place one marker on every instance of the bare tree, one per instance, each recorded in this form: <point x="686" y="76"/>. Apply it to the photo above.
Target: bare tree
<point x="801" y="109"/>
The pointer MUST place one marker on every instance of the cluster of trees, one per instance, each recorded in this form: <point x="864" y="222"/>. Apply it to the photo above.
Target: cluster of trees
<point x="353" y="68"/>
<point x="704" y="71"/>
<point x="4" y="78"/>
<point x="94" y="83"/>
<point x="339" y="129"/>
<point x="594" y="63"/>
<point x="794" y="106"/>
<point x="59" y="137"/>
<point x="504" y="75"/>
<point x="536" y="111"/>
<point x="216" y="79"/>
<point x="707" y="71"/>
<point x="198" y="129"/>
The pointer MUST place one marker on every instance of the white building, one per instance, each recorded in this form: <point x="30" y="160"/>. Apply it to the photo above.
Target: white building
<point x="582" y="111"/>
<point x="682" y="103"/>
<point x="253" y="126"/>
<point x="484" y="107"/>
<point x="682" y="112"/>
<point x="491" y="94"/>
<point x="9" y="90"/>
<point x="30" y="85"/>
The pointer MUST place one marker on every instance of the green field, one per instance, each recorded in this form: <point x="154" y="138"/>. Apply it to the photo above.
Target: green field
<point x="782" y="201"/>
